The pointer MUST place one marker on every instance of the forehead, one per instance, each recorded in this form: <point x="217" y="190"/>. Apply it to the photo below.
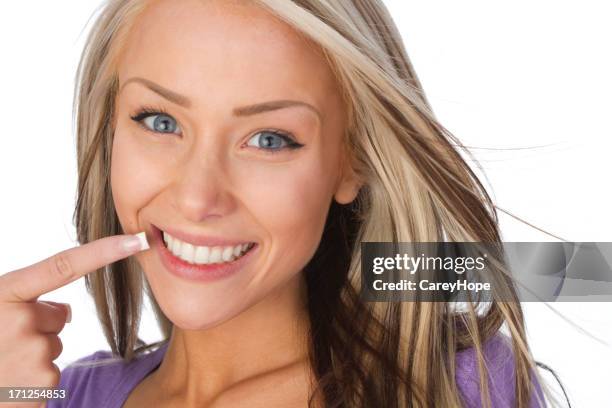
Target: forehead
<point x="210" y="50"/>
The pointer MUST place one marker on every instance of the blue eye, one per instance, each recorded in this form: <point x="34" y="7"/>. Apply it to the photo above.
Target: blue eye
<point x="273" y="141"/>
<point x="156" y="121"/>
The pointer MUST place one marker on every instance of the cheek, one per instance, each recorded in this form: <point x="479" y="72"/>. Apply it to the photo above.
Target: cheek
<point x="136" y="176"/>
<point x="290" y="202"/>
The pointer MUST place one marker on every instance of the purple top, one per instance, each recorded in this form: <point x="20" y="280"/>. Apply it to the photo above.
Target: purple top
<point x="108" y="386"/>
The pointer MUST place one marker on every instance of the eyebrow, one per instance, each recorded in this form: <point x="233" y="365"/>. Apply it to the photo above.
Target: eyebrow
<point x="249" y="110"/>
<point x="160" y="90"/>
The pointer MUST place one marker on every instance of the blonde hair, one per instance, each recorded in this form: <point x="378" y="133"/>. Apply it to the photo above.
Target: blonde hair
<point x="417" y="188"/>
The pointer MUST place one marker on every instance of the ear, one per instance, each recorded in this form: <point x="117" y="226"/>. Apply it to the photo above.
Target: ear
<point x="348" y="186"/>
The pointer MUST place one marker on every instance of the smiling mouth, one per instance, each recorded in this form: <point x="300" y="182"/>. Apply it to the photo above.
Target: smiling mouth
<point x="205" y="255"/>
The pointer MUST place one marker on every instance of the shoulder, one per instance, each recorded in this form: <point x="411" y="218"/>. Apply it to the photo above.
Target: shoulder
<point x="89" y="376"/>
<point x="100" y="379"/>
<point x="499" y="360"/>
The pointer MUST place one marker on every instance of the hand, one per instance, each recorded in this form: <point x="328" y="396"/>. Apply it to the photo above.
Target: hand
<point x="29" y="339"/>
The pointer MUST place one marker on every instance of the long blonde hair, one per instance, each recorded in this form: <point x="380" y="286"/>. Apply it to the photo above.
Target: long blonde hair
<point x="418" y="188"/>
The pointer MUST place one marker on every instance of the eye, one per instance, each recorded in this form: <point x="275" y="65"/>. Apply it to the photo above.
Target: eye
<point x="157" y="121"/>
<point x="273" y="141"/>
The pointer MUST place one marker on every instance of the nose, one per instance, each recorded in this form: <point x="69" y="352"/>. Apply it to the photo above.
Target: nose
<point x="202" y="187"/>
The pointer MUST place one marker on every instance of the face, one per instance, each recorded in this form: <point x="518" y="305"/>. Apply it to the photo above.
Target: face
<point x="191" y="158"/>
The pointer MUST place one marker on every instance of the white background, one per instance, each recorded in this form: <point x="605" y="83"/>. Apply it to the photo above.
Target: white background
<point x="500" y="75"/>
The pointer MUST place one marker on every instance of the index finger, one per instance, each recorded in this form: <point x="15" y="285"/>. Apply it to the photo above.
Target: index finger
<point x="28" y="283"/>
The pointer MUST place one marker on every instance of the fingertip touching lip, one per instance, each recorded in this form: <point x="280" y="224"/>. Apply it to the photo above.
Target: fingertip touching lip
<point x="200" y="240"/>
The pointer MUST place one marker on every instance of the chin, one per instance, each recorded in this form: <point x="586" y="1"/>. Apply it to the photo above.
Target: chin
<point x="193" y="306"/>
<point x="198" y="312"/>
<point x="195" y="323"/>
<point x="195" y="319"/>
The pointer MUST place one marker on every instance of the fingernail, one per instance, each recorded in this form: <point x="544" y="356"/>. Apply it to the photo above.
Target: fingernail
<point x="68" y="312"/>
<point x="135" y="243"/>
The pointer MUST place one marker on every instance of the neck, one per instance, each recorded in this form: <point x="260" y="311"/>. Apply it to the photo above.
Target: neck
<point x="269" y="336"/>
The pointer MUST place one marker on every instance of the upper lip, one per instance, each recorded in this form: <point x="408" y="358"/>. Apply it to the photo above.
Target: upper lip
<point x="202" y="240"/>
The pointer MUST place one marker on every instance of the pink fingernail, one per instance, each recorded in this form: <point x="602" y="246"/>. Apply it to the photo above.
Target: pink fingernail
<point x="136" y="242"/>
<point x="68" y="312"/>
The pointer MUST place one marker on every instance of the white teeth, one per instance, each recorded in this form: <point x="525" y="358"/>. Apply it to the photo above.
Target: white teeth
<point x="176" y="246"/>
<point x="227" y="254"/>
<point x="187" y="251"/>
<point x="203" y="254"/>
<point x="215" y="255"/>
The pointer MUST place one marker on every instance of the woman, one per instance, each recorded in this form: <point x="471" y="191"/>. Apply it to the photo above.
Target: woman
<point x="256" y="144"/>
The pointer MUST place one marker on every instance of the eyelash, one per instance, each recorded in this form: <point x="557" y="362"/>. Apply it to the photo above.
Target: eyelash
<point x="147" y="111"/>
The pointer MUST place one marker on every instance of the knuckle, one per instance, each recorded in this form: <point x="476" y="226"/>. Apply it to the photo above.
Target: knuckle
<point x="50" y="376"/>
<point x="46" y="346"/>
<point x="40" y="349"/>
<point x="60" y="266"/>
<point x="56" y="347"/>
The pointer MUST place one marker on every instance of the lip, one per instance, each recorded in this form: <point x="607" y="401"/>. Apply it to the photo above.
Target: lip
<point x="201" y="273"/>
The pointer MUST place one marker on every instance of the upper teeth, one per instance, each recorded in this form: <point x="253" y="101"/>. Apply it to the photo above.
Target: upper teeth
<point x="203" y="254"/>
